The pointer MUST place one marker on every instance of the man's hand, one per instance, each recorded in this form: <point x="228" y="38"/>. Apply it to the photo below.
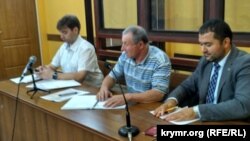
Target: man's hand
<point x="44" y="72"/>
<point x="104" y="94"/>
<point x="183" y="114"/>
<point x="114" y="101"/>
<point x="164" y="107"/>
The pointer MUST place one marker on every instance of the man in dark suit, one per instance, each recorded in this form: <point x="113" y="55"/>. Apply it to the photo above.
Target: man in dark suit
<point x="221" y="81"/>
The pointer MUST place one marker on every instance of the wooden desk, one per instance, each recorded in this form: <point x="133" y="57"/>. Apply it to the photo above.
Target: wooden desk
<point x="41" y="120"/>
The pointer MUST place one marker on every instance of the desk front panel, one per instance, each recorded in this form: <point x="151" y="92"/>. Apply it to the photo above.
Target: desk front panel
<point x="41" y="120"/>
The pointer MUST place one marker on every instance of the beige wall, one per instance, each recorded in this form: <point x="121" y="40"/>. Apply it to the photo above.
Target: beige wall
<point x="49" y="12"/>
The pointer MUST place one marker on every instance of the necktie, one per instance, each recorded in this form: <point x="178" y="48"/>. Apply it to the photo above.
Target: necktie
<point x="212" y="84"/>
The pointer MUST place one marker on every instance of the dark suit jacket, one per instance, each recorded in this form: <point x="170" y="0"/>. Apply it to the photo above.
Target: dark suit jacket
<point x="233" y="91"/>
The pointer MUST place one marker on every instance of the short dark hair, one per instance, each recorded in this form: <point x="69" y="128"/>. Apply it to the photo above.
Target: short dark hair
<point x="220" y="28"/>
<point x="69" y="21"/>
<point x="138" y="32"/>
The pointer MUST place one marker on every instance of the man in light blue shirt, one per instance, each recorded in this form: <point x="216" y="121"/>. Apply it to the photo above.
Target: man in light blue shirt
<point x="146" y="70"/>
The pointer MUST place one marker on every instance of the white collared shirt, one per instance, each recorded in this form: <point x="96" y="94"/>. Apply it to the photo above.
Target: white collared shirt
<point x="77" y="57"/>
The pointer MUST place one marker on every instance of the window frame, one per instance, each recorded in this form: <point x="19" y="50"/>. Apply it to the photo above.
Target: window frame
<point x="212" y="9"/>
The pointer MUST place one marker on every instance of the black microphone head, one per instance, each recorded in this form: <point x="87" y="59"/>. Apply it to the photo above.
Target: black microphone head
<point x="107" y="65"/>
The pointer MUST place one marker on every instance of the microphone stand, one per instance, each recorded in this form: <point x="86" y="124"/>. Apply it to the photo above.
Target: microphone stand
<point x="126" y="130"/>
<point x="35" y="89"/>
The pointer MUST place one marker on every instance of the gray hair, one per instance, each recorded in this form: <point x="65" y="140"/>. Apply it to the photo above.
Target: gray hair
<point x="138" y="33"/>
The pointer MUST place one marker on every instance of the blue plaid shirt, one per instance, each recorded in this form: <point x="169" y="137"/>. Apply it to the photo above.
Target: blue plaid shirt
<point x="152" y="73"/>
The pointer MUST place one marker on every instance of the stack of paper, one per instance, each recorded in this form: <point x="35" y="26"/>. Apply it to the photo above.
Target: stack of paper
<point x="64" y="95"/>
<point x="54" y="84"/>
<point x="86" y="102"/>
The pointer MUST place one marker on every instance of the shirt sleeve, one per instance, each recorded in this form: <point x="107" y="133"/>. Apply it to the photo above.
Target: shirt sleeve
<point x="161" y="77"/>
<point x="87" y="60"/>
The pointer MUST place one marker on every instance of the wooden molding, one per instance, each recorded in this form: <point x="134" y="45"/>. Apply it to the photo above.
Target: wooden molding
<point x="56" y="37"/>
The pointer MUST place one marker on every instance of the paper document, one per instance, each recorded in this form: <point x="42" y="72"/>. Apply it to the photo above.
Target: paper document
<point x="54" y="84"/>
<point x="86" y="102"/>
<point x="26" y="79"/>
<point x="64" y="95"/>
<point x="184" y="122"/>
<point x="176" y="122"/>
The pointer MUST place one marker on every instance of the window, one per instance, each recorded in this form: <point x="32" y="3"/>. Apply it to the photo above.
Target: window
<point x="119" y="14"/>
<point x="168" y="26"/>
<point x="237" y="16"/>
<point x="167" y="16"/>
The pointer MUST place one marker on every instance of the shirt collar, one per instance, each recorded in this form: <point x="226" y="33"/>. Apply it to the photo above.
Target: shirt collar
<point x="223" y="61"/>
<point x="73" y="46"/>
<point x="145" y="58"/>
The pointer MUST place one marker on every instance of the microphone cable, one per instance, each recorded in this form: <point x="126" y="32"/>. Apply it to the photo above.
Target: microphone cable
<point x="15" y="112"/>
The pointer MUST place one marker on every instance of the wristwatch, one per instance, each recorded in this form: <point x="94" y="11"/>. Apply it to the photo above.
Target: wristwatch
<point x="55" y="76"/>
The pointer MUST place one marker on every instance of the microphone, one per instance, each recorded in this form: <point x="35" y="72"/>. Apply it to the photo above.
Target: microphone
<point x="126" y="130"/>
<point x="32" y="60"/>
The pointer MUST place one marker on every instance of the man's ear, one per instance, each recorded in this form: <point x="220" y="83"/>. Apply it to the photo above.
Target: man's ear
<point x="227" y="43"/>
<point x="141" y="44"/>
<point x="76" y="30"/>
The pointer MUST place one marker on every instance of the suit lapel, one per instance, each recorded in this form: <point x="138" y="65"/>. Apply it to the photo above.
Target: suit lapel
<point x="226" y="70"/>
<point x="205" y="81"/>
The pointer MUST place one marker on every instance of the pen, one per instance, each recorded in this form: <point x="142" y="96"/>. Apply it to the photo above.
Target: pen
<point x="172" y="108"/>
<point x="67" y="94"/>
<point x="95" y="104"/>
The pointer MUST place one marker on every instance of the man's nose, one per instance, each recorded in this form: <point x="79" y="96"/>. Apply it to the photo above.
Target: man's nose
<point x="203" y="48"/>
<point x="122" y="48"/>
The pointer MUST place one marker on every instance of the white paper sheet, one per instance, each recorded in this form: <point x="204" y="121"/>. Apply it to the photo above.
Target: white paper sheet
<point x="86" y="102"/>
<point x="184" y="122"/>
<point x="176" y="122"/>
<point x="64" y="95"/>
<point x="26" y="79"/>
<point x="54" y="84"/>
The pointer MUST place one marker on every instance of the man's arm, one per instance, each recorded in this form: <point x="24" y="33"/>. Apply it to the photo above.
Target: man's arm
<point x="78" y="76"/>
<point x="145" y="97"/>
<point x="46" y="72"/>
